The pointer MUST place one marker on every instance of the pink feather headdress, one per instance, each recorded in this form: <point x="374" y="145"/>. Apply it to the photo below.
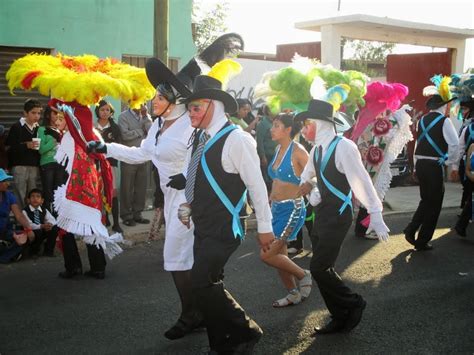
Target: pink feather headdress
<point x="379" y="98"/>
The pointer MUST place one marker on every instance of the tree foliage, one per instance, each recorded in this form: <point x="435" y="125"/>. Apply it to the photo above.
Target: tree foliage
<point x="370" y="51"/>
<point x="366" y="55"/>
<point x="208" y="23"/>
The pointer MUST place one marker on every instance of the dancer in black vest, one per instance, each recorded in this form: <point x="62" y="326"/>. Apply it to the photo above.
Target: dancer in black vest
<point x="436" y="147"/>
<point x="336" y="164"/>
<point x="223" y="165"/>
<point x="465" y="140"/>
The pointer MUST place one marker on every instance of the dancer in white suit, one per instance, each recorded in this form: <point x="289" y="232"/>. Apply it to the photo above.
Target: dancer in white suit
<point x="166" y="145"/>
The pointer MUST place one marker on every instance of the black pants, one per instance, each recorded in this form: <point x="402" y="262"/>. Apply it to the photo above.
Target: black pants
<point x="466" y="213"/>
<point x="72" y="259"/>
<point x="327" y="237"/>
<point x="359" y="228"/>
<point x="52" y="175"/>
<point x="430" y="176"/>
<point x="226" y="322"/>
<point x="48" y="237"/>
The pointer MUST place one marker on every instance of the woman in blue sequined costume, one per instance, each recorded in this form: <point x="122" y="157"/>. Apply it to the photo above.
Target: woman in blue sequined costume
<point x="288" y="209"/>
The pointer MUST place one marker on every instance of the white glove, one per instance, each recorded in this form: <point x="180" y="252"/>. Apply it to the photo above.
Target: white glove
<point x="378" y="225"/>
<point x="314" y="197"/>
<point x="184" y="214"/>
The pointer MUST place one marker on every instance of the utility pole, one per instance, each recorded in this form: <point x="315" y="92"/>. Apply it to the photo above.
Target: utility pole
<point x="338" y="5"/>
<point x="161" y="30"/>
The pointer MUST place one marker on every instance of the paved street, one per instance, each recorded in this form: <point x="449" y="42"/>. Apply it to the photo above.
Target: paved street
<point x="417" y="302"/>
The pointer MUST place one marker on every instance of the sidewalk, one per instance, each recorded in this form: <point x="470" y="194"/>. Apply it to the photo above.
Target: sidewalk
<point x="405" y="199"/>
<point x="398" y="200"/>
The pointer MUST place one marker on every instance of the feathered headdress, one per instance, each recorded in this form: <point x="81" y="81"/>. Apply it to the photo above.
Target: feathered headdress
<point x="379" y="98"/>
<point x="291" y="86"/>
<point x="462" y="86"/>
<point x="84" y="79"/>
<point x="440" y="87"/>
<point x="224" y="71"/>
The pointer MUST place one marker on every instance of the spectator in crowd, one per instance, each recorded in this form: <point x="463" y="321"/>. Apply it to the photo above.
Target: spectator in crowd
<point x="22" y="146"/>
<point x="42" y="223"/>
<point x="467" y="213"/>
<point x="52" y="174"/>
<point x="3" y="152"/>
<point x="265" y="145"/>
<point x="239" y="118"/>
<point x="11" y="243"/>
<point x="110" y="132"/>
<point x="134" y="125"/>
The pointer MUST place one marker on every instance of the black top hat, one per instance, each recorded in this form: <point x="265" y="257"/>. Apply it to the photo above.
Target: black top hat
<point x="158" y="73"/>
<point x="206" y="87"/>
<point x="436" y="101"/>
<point x="318" y="110"/>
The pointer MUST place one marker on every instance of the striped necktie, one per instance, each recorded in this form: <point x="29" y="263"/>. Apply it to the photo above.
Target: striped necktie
<point x="193" y="165"/>
<point x="36" y="217"/>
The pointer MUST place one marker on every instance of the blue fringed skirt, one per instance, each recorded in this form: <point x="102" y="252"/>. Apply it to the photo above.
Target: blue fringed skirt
<point x="287" y="218"/>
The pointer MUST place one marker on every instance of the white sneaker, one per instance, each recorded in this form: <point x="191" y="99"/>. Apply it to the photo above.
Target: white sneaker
<point x="293" y="251"/>
<point x="305" y="284"/>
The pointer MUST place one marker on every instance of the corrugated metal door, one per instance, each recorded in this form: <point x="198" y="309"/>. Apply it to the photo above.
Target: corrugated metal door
<point x="11" y="107"/>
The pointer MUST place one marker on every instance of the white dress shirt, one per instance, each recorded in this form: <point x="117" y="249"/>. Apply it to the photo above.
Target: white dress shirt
<point x="348" y="161"/>
<point x="239" y="156"/>
<point x="48" y="218"/>
<point x="451" y="137"/>
<point x="462" y="143"/>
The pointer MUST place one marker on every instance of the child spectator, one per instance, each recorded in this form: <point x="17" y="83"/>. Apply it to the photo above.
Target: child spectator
<point x="42" y="223"/>
<point x="51" y="172"/>
<point x="11" y="243"/>
<point x="22" y="147"/>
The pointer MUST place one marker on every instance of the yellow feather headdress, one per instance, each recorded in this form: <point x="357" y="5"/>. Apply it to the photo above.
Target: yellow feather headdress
<point x="84" y="79"/>
<point x="224" y="71"/>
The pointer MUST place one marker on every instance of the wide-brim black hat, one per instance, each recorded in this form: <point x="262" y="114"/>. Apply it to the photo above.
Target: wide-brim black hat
<point x="436" y="101"/>
<point x="318" y="110"/>
<point x="206" y="87"/>
<point x="158" y="73"/>
<point x="469" y="104"/>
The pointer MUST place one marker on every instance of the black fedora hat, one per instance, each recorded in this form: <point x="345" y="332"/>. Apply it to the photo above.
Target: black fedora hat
<point x="318" y="110"/>
<point x="436" y="101"/>
<point x="206" y="87"/>
<point x="158" y="73"/>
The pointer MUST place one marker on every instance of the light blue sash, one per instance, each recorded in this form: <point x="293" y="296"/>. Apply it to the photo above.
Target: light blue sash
<point x="425" y="134"/>
<point x="346" y="199"/>
<point x="470" y="138"/>
<point x="237" y="228"/>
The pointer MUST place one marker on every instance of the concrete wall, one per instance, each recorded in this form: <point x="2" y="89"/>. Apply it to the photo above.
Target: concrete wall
<point x="100" y="27"/>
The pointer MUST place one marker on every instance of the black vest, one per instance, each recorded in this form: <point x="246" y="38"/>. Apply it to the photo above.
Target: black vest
<point x="468" y="140"/>
<point x="31" y="214"/>
<point x="423" y="147"/>
<point x="210" y="216"/>
<point x="330" y="203"/>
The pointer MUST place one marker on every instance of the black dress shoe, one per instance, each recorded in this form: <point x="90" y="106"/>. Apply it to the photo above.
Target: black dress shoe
<point x="180" y="329"/>
<point x="117" y="228"/>
<point x="70" y="274"/>
<point x="129" y="222"/>
<point x="355" y="315"/>
<point x="247" y="347"/>
<point x="142" y="220"/>
<point x="425" y="247"/>
<point x="409" y="237"/>
<point x="334" y="326"/>
<point x="460" y="231"/>
<point x="95" y="274"/>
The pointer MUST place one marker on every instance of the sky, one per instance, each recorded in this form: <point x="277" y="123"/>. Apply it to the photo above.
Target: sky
<point x="266" y="23"/>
